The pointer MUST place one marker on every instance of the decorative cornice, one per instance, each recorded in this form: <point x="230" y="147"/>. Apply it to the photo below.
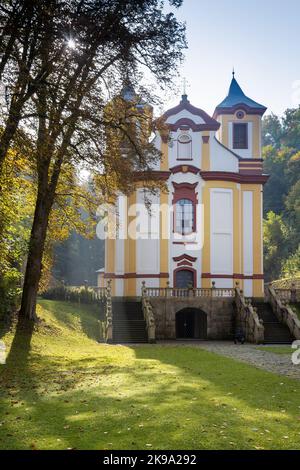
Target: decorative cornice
<point x="135" y="275"/>
<point x="209" y="122"/>
<point x="190" y="186"/>
<point x="181" y="169"/>
<point x="251" y="176"/>
<point x="195" y="127"/>
<point x="231" y="276"/>
<point x="250" y="160"/>
<point x="184" y="256"/>
<point x="242" y="106"/>
<point x="235" y="177"/>
<point x="184" y="263"/>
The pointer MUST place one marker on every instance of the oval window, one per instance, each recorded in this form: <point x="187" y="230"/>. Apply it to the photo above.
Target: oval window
<point x="184" y="138"/>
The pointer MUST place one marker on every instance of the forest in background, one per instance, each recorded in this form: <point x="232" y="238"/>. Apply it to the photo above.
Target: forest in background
<point x="77" y="258"/>
<point x="281" y="153"/>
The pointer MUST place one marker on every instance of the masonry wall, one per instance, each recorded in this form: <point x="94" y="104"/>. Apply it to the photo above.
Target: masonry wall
<point x="219" y="313"/>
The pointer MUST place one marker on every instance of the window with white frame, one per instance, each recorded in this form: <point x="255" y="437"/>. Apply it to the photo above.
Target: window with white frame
<point x="184" y="216"/>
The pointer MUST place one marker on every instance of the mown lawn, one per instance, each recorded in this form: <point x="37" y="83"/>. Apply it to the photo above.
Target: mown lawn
<point x="66" y="390"/>
<point x="277" y="349"/>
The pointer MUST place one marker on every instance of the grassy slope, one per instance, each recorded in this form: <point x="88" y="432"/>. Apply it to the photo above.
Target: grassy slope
<point x="68" y="391"/>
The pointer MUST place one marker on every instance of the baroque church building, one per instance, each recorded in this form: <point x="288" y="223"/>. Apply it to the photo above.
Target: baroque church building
<point x="206" y="229"/>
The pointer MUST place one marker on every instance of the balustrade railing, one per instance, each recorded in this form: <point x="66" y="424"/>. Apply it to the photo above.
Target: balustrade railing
<point x="177" y="292"/>
<point x="99" y="293"/>
<point x="282" y="310"/>
<point x="246" y="316"/>
<point x="148" y="314"/>
<point x="291" y="295"/>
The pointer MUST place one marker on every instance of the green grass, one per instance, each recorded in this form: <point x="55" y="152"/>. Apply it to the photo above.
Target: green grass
<point x="277" y="349"/>
<point x="65" y="390"/>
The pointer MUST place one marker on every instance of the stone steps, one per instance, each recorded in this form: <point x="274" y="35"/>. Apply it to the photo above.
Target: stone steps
<point x="129" y="325"/>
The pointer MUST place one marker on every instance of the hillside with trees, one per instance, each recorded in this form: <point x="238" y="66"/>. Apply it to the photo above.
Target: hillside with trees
<point x="281" y="153"/>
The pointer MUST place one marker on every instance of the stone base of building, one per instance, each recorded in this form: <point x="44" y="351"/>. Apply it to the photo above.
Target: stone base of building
<point x="213" y="318"/>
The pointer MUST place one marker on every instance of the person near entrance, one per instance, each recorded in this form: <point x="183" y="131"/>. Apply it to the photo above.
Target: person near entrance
<point x="239" y="336"/>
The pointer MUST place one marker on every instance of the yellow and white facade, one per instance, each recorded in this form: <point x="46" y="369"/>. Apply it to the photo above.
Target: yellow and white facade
<point x="207" y="225"/>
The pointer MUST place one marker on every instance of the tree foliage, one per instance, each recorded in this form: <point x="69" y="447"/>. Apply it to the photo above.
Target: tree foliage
<point x="282" y="194"/>
<point x="61" y="63"/>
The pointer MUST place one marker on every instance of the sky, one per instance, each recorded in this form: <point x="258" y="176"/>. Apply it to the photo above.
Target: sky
<point x="259" y="38"/>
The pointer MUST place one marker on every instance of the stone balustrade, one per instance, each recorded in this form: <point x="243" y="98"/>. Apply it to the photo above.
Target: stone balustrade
<point x="177" y="292"/>
<point x="283" y="310"/>
<point x="246" y="316"/>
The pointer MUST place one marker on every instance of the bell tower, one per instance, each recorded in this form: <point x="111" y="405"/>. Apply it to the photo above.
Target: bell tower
<point x="240" y="119"/>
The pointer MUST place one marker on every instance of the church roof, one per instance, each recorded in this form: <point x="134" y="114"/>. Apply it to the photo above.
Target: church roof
<point x="208" y="122"/>
<point x="236" y="98"/>
<point x="128" y="94"/>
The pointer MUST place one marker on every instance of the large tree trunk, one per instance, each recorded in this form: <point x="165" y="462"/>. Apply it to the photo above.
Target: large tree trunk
<point x="9" y="131"/>
<point x="35" y="256"/>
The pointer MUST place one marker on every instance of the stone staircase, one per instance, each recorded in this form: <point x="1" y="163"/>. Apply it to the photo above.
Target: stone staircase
<point x="129" y="325"/>
<point x="275" y="331"/>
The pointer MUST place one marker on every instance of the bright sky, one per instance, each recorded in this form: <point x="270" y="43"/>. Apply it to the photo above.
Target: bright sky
<point x="260" y="38"/>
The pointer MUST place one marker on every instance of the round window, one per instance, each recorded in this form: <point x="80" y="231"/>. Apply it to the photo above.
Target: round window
<point x="240" y="114"/>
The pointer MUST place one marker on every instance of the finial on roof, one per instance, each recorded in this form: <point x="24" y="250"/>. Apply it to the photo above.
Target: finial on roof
<point x="233" y="72"/>
<point x="184" y="87"/>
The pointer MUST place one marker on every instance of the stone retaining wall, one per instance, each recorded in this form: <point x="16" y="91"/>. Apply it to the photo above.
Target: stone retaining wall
<point x="219" y="313"/>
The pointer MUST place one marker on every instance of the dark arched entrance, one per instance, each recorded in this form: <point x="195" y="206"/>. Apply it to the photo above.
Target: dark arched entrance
<point x="191" y="323"/>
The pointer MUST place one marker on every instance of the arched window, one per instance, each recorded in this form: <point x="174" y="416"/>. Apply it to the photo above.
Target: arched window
<point x="184" y="147"/>
<point x="184" y="216"/>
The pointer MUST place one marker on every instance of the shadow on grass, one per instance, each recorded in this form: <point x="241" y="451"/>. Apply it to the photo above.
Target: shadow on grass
<point x="16" y="375"/>
<point x="168" y="397"/>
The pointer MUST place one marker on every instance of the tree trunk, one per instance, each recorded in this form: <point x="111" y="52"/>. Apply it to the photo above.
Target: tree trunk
<point x="10" y="129"/>
<point x="35" y="256"/>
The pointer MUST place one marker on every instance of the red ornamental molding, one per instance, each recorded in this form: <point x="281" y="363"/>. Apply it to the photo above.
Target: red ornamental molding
<point x="257" y="171"/>
<point x="209" y="122"/>
<point x="184" y="169"/>
<point x="255" y="166"/>
<point x="195" y="127"/>
<point x="184" y="243"/>
<point x="135" y="275"/>
<point x="231" y="276"/>
<point x="183" y="190"/>
<point x="250" y="160"/>
<point x="235" y="177"/>
<point x="185" y="263"/>
<point x="185" y="256"/>
<point x="252" y="176"/>
<point x="237" y="107"/>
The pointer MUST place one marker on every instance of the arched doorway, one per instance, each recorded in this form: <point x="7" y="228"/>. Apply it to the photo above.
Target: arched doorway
<point x="191" y="323"/>
<point x="184" y="278"/>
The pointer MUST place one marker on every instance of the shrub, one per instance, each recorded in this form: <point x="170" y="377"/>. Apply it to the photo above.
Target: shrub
<point x="85" y="295"/>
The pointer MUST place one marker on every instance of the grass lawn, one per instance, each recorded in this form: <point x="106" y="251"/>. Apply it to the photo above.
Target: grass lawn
<point x="277" y="349"/>
<point x="65" y="390"/>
